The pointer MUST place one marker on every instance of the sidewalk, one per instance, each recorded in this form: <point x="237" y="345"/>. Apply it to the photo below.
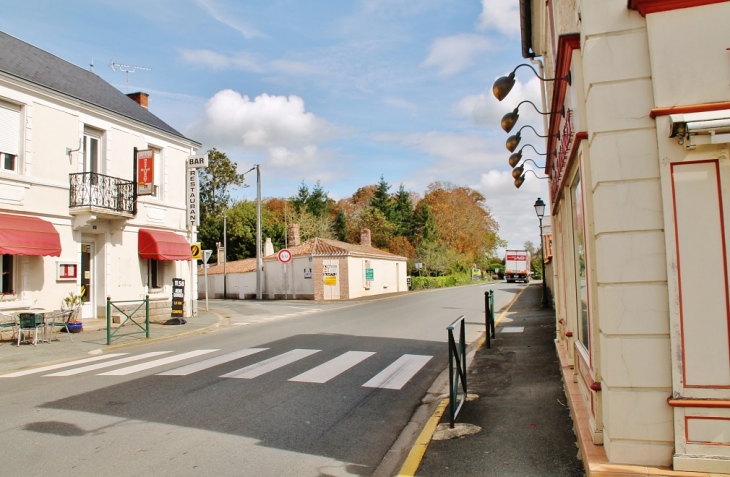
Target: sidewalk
<point x="521" y="406"/>
<point x="92" y="341"/>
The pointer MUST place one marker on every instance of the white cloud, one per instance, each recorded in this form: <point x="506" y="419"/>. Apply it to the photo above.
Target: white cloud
<point x="265" y="121"/>
<point x="227" y="19"/>
<point x="453" y="54"/>
<point x="401" y="103"/>
<point x="210" y="59"/>
<point x="502" y="15"/>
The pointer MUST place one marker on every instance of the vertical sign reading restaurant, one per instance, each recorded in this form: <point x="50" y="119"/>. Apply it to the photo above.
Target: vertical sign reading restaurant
<point x="192" y="187"/>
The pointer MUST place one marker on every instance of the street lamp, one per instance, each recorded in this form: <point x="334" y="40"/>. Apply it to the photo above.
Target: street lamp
<point x="540" y="211"/>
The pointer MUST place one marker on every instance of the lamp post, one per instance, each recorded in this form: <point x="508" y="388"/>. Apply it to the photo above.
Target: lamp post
<point x="540" y="211"/>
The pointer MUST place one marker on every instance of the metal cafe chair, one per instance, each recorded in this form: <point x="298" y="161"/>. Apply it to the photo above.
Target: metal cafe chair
<point x="29" y="322"/>
<point x="8" y="321"/>
<point x="59" y="319"/>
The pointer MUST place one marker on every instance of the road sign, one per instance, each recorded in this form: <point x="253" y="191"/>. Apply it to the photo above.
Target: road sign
<point x="206" y="255"/>
<point x="199" y="160"/>
<point x="284" y="255"/>
<point x="195" y="250"/>
<point x="369" y="275"/>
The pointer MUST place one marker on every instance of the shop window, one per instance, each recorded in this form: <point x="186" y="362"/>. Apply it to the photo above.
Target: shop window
<point x="6" y="272"/>
<point x="580" y="261"/>
<point x="158" y="173"/>
<point x="9" y="136"/>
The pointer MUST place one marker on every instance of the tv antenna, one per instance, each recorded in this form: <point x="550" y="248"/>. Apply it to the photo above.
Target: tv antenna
<point x="126" y="69"/>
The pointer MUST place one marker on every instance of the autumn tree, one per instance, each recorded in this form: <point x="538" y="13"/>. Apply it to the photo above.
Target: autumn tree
<point x="463" y="221"/>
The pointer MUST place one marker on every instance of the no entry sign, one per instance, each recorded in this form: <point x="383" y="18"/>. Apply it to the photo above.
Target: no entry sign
<point x="284" y="255"/>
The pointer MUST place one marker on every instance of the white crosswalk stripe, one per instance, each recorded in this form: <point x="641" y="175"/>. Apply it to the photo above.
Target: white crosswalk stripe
<point x="271" y="364"/>
<point x="332" y="368"/>
<point x="43" y="369"/>
<point x="108" y="364"/>
<point x="394" y="376"/>
<point x="157" y="362"/>
<point x="211" y="362"/>
<point x="399" y="373"/>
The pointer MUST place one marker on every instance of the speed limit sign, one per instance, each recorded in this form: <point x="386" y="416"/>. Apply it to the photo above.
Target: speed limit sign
<point x="284" y="255"/>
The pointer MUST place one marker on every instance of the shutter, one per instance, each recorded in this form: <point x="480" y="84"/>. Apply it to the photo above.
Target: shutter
<point x="9" y="128"/>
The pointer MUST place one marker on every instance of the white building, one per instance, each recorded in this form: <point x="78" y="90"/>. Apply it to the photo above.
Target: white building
<point x="639" y="180"/>
<point x="71" y="218"/>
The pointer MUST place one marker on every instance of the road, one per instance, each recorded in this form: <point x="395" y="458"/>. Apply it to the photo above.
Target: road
<point x="288" y="389"/>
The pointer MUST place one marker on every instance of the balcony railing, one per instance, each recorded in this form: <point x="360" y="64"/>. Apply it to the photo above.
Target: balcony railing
<point x="89" y="189"/>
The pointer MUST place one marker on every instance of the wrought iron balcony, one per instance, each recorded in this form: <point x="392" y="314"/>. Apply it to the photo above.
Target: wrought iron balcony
<point x="97" y="191"/>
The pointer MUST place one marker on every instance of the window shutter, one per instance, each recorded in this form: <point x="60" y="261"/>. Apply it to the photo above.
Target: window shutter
<point x="9" y="128"/>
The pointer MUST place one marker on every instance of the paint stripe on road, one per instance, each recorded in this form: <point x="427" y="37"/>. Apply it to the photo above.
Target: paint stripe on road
<point x="61" y="365"/>
<point x="209" y="363"/>
<point x="271" y="364"/>
<point x="332" y="368"/>
<point x="107" y="364"/>
<point x="399" y="373"/>
<point x="157" y="362"/>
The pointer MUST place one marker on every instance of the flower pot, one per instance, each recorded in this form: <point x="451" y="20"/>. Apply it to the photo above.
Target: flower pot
<point x="75" y="327"/>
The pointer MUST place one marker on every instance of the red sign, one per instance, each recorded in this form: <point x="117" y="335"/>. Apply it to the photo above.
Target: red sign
<point x="516" y="257"/>
<point x="145" y="172"/>
<point x="284" y="255"/>
<point x="561" y="161"/>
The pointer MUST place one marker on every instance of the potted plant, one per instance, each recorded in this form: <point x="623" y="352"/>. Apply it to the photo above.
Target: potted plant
<point x="73" y="302"/>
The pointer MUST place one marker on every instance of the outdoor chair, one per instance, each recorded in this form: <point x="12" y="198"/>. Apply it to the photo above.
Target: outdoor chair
<point x="8" y="322"/>
<point x="29" y="322"/>
<point x="60" y="320"/>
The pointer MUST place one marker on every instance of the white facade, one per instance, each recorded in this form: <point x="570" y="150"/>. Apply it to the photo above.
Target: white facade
<point x="59" y="136"/>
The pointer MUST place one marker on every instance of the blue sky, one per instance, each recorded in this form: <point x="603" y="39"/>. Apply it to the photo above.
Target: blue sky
<point x="330" y="90"/>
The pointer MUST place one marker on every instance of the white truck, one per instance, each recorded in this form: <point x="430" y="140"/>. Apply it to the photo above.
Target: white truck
<point x="517" y="266"/>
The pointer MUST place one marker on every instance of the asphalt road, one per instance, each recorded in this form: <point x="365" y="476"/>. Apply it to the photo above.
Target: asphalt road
<point x="289" y="388"/>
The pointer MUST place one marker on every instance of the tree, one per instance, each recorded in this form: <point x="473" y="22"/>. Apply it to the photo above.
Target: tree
<point x="381" y="200"/>
<point x="216" y="183"/>
<point x="381" y="231"/>
<point x="402" y="215"/>
<point x="424" y="224"/>
<point x="316" y="202"/>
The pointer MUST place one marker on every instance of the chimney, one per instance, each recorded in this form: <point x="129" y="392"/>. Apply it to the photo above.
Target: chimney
<point x="293" y="236"/>
<point x="365" y="237"/>
<point x="140" y="98"/>
<point x="268" y="247"/>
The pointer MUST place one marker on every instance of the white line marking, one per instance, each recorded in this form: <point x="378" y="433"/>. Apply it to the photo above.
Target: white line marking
<point x="209" y="363"/>
<point x="399" y="373"/>
<point x="107" y="364"/>
<point x="332" y="368"/>
<point x="157" y="362"/>
<point x="270" y="364"/>
<point x="62" y="365"/>
<point x="513" y="329"/>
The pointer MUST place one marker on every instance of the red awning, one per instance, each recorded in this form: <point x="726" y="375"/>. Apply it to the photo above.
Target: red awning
<point x="20" y="235"/>
<point x="159" y="245"/>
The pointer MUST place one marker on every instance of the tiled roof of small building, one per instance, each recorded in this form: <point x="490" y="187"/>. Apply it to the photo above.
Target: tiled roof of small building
<point x="319" y="247"/>
<point x="237" y="266"/>
<point x="25" y="61"/>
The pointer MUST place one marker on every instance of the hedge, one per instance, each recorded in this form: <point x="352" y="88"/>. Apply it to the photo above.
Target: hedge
<point x="421" y="283"/>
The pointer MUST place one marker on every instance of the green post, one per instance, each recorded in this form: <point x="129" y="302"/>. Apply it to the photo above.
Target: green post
<point x="147" y="313"/>
<point x="108" y="320"/>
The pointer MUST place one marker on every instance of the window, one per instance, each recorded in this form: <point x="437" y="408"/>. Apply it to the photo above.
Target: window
<point x="92" y="149"/>
<point x="9" y="136"/>
<point x="159" y="171"/>
<point x="6" y="271"/>
<point x="576" y="190"/>
<point x="154" y="272"/>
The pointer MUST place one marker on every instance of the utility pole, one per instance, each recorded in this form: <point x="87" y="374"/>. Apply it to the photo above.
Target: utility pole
<point x="259" y="263"/>
<point x="225" y="257"/>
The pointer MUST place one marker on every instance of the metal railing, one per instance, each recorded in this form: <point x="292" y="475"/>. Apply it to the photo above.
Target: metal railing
<point x="489" y="316"/>
<point x="128" y="312"/>
<point x="457" y="369"/>
<point x="89" y="189"/>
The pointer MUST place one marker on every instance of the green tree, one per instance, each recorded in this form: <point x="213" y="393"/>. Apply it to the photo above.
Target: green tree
<point x="340" y="225"/>
<point x="216" y="183"/>
<point x="402" y="215"/>
<point x="424" y="224"/>
<point x="381" y="200"/>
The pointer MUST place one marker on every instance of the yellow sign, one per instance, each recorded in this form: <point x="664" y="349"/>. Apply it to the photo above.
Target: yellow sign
<point x="196" y="251"/>
<point x="330" y="280"/>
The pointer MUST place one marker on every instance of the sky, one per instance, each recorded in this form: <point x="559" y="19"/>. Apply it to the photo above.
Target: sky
<point x="337" y="91"/>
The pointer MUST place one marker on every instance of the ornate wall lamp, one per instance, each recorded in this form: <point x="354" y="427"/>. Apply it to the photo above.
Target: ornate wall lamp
<point x="509" y="119"/>
<point x="517" y="156"/>
<point x="514" y="140"/>
<point x="519" y="170"/>
<point x="504" y="84"/>
<point x="519" y="180"/>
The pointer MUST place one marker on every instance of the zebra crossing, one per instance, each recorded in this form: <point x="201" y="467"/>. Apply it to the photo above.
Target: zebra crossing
<point x="394" y="376"/>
